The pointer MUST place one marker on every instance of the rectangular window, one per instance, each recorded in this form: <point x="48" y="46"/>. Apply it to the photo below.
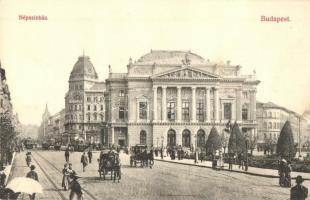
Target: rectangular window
<point x="75" y="107"/>
<point x="101" y="107"/>
<point x="95" y="108"/>
<point x="88" y="99"/>
<point x="142" y="110"/>
<point x="121" y="93"/>
<point x="200" y="116"/>
<point x="80" y="107"/>
<point x="121" y="112"/>
<point x="185" y="111"/>
<point x="88" y="107"/>
<point x="244" y="113"/>
<point x="171" y="111"/>
<point x="227" y="110"/>
<point x="95" y="99"/>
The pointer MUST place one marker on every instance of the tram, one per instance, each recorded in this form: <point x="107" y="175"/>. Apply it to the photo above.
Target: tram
<point x="30" y="143"/>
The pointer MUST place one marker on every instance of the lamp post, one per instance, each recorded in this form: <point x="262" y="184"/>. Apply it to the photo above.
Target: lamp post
<point x="246" y="151"/>
<point x="196" y="156"/>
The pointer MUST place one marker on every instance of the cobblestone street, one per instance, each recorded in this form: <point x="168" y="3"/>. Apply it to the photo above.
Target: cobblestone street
<point x="165" y="181"/>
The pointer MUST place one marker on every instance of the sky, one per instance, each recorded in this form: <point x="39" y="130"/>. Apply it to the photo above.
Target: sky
<point x="39" y="55"/>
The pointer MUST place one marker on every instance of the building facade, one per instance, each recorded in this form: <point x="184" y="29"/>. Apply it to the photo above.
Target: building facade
<point x="10" y="124"/>
<point x="84" y="103"/>
<point x="5" y="96"/>
<point x="171" y="98"/>
<point x="271" y="118"/>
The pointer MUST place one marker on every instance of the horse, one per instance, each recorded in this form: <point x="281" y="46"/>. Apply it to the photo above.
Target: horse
<point x="110" y="163"/>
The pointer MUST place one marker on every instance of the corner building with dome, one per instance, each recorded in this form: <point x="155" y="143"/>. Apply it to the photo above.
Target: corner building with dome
<point x="172" y="98"/>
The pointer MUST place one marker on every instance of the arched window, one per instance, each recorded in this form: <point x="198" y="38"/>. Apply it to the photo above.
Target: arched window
<point x="270" y="125"/>
<point x="171" y="138"/>
<point x="274" y="125"/>
<point x="142" y="137"/>
<point x="201" y="138"/>
<point x="186" y="138"/>
<point x="244" y="112"/>
<point x="88" y="116"/>
<point x="101" y="117"/>
<point x="95" y="116"/>
<point x="270" y="115"/>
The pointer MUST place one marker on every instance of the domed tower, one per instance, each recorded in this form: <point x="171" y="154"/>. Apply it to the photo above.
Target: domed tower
<point x="84" y="89"/>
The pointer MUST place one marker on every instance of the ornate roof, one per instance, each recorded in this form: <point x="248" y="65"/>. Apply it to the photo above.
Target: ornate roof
<point x="83" y="68"/>
<point x="171" y="58"/>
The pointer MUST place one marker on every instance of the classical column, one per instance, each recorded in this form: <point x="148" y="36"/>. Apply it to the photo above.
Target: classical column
<point x="112" y="135"/>
<point x="154" y="103"/>
<point x="216" y="105"/>
<point x="193" y="104"/>
<point x="239" y="105"/>
<point x="207" y="104"/>
<point x="179" y="104"/>
<point x="137" y="111"/>
<point x="253" y="104"/>
<point x="164" y="104"/>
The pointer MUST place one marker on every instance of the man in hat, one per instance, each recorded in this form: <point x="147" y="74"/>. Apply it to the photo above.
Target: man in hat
<point x="299" y="192"/>
<point x="33" y="175"/>
<point x="84" y="160"/>
<point x="75" y="187"/>
<point x="28" y="158"/>
<point x="67" y="154"/>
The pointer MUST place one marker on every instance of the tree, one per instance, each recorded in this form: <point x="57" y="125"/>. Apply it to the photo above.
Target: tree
<point x="7" y="135"/>
<point x="285" y="146"/>
<point x="214" y="141"/>
<point x="236" y="142"/>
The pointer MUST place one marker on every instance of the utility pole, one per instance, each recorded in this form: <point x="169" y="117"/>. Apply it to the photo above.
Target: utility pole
<point x="299" y="146"/>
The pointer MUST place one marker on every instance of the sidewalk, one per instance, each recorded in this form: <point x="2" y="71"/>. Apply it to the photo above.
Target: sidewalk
<point x="254" y="171"/>
<point x="8" y="169"/>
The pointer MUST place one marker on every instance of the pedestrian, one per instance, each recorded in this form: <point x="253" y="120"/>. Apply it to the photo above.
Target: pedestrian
<point x="90" y="155"/>
<point x="241" y="160"/>
<point x="299" y="192"/>
<point x="84" y="160"/>
<point x="287" y="171"/>
<point x="230" y="162"/>
<point x="67" y="154"/>
<point x="28" y="158"/>
<point x="33" y="175"/>
<point x="66" y="174"/>
<point x="281" y="172"/>
<point x="70" y="170"/>
<point x="161" y="153"/>
<point x="75" y="187"/>
<point x="201" y="156"/>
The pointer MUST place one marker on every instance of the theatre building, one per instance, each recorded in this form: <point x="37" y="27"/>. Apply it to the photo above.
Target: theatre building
<point x="171" y="98"/>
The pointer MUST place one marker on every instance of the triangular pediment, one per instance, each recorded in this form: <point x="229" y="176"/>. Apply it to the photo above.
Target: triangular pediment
<point x="187" y="72"/>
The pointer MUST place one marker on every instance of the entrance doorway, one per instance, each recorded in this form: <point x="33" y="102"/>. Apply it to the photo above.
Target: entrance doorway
<point x="171" y="139"/>
<point x="121" y="142"/>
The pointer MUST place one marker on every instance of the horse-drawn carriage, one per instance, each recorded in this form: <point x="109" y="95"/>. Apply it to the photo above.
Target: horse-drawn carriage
<point x="140" y="154"/>
<point x="109" y="162"/>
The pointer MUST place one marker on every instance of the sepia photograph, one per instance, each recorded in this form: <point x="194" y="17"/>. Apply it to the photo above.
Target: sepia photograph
<point x="154" y="100"/>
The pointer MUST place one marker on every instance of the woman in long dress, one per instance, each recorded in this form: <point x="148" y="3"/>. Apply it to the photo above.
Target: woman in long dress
<point x="65" y="178"/>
